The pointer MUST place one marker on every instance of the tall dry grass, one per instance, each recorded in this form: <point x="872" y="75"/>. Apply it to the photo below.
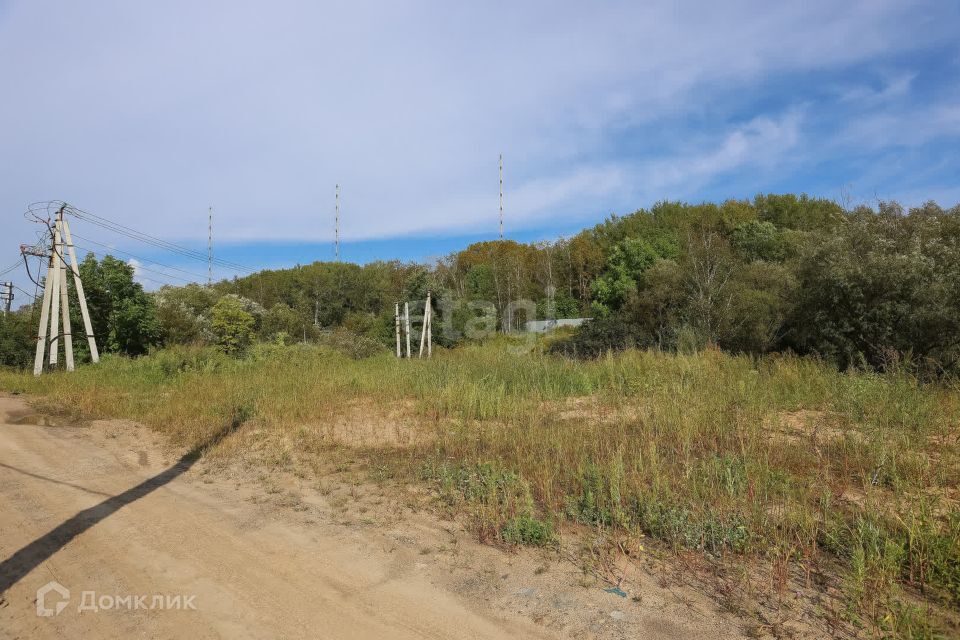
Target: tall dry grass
<point x="786" y="459"/>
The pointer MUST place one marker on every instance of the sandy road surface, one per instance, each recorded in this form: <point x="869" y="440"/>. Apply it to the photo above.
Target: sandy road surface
<point x="108" y="508"/>
<point x="75" y="512"/>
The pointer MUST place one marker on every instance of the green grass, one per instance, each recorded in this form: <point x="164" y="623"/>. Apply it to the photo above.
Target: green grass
<point x="782" y="459"/>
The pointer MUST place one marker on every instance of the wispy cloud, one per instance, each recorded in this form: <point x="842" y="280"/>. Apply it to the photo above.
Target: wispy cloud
<point x="894" y="87"/>
<point x="137" y="268"/>
<point x="758" y="144"/>
<point x="150" y="113"/>
<point x="910" y="127"/>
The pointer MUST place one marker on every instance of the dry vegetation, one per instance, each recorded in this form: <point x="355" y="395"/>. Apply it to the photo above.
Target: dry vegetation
<point x="780" y="476"/>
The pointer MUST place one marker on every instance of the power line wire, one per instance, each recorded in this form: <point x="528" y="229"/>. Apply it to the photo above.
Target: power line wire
<point x="10" y="268"/>
<point x="177" y="251"/>
<point x="133" y="255"/>
<point x="26" y="293"/>
<point x="124" y="230"/>
<point x="142" y="277"/>
<point x="138" y="266"/>
<point x="42" y="212"/>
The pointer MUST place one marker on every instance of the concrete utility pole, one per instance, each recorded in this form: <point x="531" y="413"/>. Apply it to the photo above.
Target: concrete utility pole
<point x="55" y="259"/>
<point x="424" y="325"/>
<point x="406" y="314"/>
<point x="501" y="196"/>
<point x="81" y="297"/>
<point x="6" y="296"/>
<point x="336" y="223"/>
<point x="64" y="299"/>
<point x="209" y="246"/>
<point x="56" y="300"/>
<point x="426" y="334"/>
<point x="396" y="322"/>
<point x="426" y="329"/>
<point x="44" y="317"/>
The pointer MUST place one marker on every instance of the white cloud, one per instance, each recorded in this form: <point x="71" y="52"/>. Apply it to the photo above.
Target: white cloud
<point x="894" y="87"/>
<point x="758" y="144"/>
<point x="149" y="113"/>
<point x="908" y="127"/>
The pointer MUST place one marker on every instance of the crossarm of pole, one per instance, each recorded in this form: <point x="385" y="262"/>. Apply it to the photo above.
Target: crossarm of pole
<point x="34" y="250"/>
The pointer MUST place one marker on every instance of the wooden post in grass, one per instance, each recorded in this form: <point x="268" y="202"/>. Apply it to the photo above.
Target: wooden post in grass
<point x="396" y="322"/>
<point x="406" y="315"/>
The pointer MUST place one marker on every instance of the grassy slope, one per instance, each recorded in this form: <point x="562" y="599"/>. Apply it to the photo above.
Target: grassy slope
<point x="781" y="458"/>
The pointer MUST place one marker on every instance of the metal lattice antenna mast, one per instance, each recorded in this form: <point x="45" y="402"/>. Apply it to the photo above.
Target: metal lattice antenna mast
<point x="209" y="246"/>
<point x="501" y="196"/>
<point x="336" y="223"/>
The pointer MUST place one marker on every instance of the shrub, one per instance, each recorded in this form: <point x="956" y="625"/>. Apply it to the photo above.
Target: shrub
<point x="232" y="325"/>
<point x="351" y="344"/>
<point x="598" y="336"/>
<point x="527" y="530"/>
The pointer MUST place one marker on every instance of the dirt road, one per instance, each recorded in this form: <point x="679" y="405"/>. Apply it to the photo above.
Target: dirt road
<point x="109" y="511"/>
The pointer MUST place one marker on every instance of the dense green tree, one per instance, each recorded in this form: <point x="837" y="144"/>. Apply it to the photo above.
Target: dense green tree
<point x="184" y="313"/>
<point x="755" y="240"/>
<point x="18" y="338"/>
<point x="789" y="211"/>
<point x="761" y="301"/>
<point x="883" y="287"/>
<point x="232" y="324"/>
<point x="123" y="315"/>
<point x="281" y="320"/>
<point x="779" y="272"/>
<point x="628" y="261"/>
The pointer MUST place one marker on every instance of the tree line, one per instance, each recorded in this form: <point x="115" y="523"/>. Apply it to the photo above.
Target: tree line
<point x="862" y="287"/>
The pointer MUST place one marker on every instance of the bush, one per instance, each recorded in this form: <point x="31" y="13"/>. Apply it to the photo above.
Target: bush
<point x="281" y="320"/>
<point x="527" y="530"/>
<point x="177" y="359"/>
<point x="18" y="339"/>
<point x="883" y="287"/>
<point x="232" y="325"/>
<point x="351" y="344"/>
<point x="596" y="337"/>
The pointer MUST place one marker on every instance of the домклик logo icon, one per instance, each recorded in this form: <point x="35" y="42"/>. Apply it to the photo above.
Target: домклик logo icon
<point x="43" y="593"/>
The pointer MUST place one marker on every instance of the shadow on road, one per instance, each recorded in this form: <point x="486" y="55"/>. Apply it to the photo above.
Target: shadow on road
<point x="60" y="482"/>
<point x="14" y="568"/>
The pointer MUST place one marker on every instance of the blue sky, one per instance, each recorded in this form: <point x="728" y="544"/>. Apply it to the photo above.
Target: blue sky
<point x="148" y="113"/>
